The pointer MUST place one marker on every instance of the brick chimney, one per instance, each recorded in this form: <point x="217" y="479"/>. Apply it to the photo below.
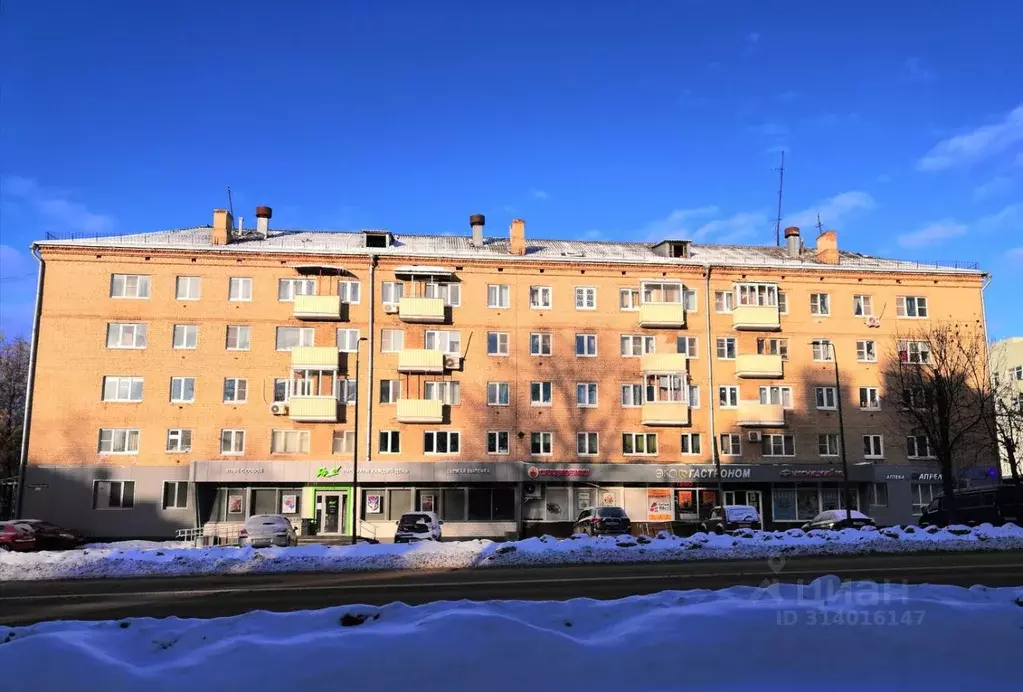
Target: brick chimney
<point x="222" y="226"/>
<point x="517" y="237"/>
<point x="827" y="247"/>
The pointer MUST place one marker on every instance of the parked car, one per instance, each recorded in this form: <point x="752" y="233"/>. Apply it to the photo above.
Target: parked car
<point x="265" y="530"/>
<point x="836" y="519"/>
<point x="418" y="526"/>
<point x="15" y="537"/>
<point x="732" y="517"/>
<point x="50" y="536"/>
<point x="995" y="505"/>
<point x="600" y="521"/>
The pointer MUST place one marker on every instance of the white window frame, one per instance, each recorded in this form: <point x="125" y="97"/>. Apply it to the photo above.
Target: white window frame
<point x="784" y="395"/>
<point x="628" y="298"/>
<point x="138" y="331"/>
<point x="910" y="307"/>
<point x="823" y="351"/>
<point x="239" y="289"/>
<point x="349" y="291"/>
<point x="587" y="340"/>
<point x="501" y="343"/>
<point x="586" y="389"/>
<point x="674" y="384"/>
<point x="1016" y="373"/>
<point x="734" y="446"/>
<point x="646" y="437"/>
<point x="447" y="436"/>
<point x="546" y="440"/>
<point x="769" y="440"/>
<point x="295" y="287"/>
<point x="635" y="390"/>
<point x="544" y="391"/>
<point x="393" y="390"/>
<point x="824" y="441"/>
<point x="183" y="331"/>
<point x="448" y="392"/>
<point x="820" y="304"/>
<point x="143" y="286"/>
<point x="585" y="297"/>
<point x="240" y="384"/>
<point x="913" y="450"/>
<point x="130" y="441"/>
<point x="692" y="346"/>
<point x="863" y="305"/>
<point x="724" y="302"/>
<point x="304" y="334"/>
<point x="690" y="300"/>
<point x="179" y="440"/>
<point x="133" y="394"/>
<point x="448" y="291"/>
<point x="876" y="451"/>
<point x="391" y="436"/>
<point x="873" y="399"/>
<point x="494" y="391"/>
<point x="387" y="340"/>
<point x="783" y="302"/>
<point x="447" y="341"/>
<point x="587" y="443"/>
<point x="396" y="289"/>
<point x="728" y="396"/>
<point x="873" y="492"/>
<point x="182" y="382"/>
<point x="541" y="338"/>
<point x="686" y="447"/>
<point x="496" y="436"/>
<point x="756" y="293"/>
<point x="821" y="394"/>
<point x="773" y="346"/>
<point x="347" y="340"/>
<point x="647" y="344"/>
<point x="289" y="441"/>
<point x="232" y="441"/>
<point x="188" y="288"/>
<point x="694" y="395"/>
<point x="120" y="505"/>
<point x="243" y="334"/>
<point x="342" y="441"/>
<point x="541" y="297"/>
<point x="655" y="292"/>
<point x="916" y="352"/>
<point x="727" y="345"/>
<point x="498" y="296"/>
<point x="866" y="351"/>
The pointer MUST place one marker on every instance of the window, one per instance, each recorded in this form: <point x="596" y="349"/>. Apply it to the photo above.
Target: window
<point x="498" y="296"/>
<point x="628" y="298"/>
<point x="877" y="494"/>
<point x="485" y="504"/>
<point x="586" y="345"/>
<point x="182" y="390"/>
<point x="280" y="390"/>
<point x="347" y="340"/>
<point x="391" y="292"/>
<point x="236" y="390"/>
<point x="783" y="303"/>
<point x="232" y="441"/>
<point x="239" y="288"/>
<point x="187" y="288"/>
<point x="918" y="447"/>
<point x="731" y="444"/>
<point x="823" y="350"/>
<point x="497" y="393"/>
<point x="391" y="340"/>
<point x="691" y="443"/>
<point x="694" y="396"/>
<point x="757" y="294"/>
<point x="724" y="301"/>
<point x="689" y="301"/>
<point x="632" y="395"/>
<point x="122" y="389"/>
<point x="447" y="391"/>
<point x="728" y="396"/>
<point x="292" y="337"/>
<point x="1017" y="373"/>
<point x="687" y="345"/>
<point x="776" y="395"/>
<point x="349" y="291"/>
<point x="586" y="394"/>
<point x="287" y="289"/>
<point x="820" y="304"/>
<point x="186" y="335"/>
<point x="669" y="387"/>
<point x="497" y="442"/>
<point x="390" y="391"/>
<point x="441" y="442"/>
<point x="827" y="445"/>
<point x="450" y="293"/>
<point x="826" y="397"/>
<point x="662" y="292"/>
<point x="342" y="442"/>
<point x="918" y="352"/>
<point x="866" y="352"/>
<point x="539" y="344"/>
<point x="237" y="338"/>
<point x="118" y="441"/>
<point x="635" y="345"/>
<point x="113" y="494"/>
<point x="449" y="342"/>
<point x="346" y="389"/>
<point x="540" y="393"/>
<point x="773" y="347"/>
<point x="540" y="443"/>
<point x="179" y="440"/>
<point x="1016" y="403"/>
<point x="869" y="399"/>
<point x="289" y="442"/>
<point x="586" y="444"/>
<point x="922" y="494"/>
<point x="540" y="297"/>
<point x="129" y="286"/>
<point x="873" y="446"/>
<point x="911" y="306"/>
<point x="585" y="298"/>
<point x="390" y="441"/>
<point x="126" y="335"/>
<point x="778" y="445"/>
<point x="726" y="347"/>
<point x="917" y="397"/>
<point x="497" y="343"/>
<point x="863" y="306"/>
<point x="639" y="444"/>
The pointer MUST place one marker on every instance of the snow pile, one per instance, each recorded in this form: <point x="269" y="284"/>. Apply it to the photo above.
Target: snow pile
<point x="856" y="636"/>
<point x="745" y="545"/>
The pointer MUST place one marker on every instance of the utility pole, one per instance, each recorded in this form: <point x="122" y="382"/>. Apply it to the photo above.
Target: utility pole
<point x="781" y="185"/>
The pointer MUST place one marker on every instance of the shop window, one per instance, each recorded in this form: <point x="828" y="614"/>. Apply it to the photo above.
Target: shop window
<point x="558" y="506"/>
<point x="264" y="501"/>
<point x="503" y="503"/>
<point x="453" y="504"/>
<point x="399" y="502"/>
<point x="479" y="504"/>
<point x="374" y="504"/>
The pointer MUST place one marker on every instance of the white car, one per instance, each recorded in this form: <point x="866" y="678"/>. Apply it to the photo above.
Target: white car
<point x="418" y="526"/>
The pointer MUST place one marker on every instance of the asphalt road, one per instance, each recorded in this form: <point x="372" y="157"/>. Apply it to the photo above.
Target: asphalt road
<point x="220" y="595"/>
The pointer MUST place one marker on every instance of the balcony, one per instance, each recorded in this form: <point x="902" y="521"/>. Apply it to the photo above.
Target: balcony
<point x="763" y="318"/>
<point x="317" y="307"/>
<point x="429" y="310"/>
<point x="663" y="362"/>
<point x="420" y="411"/>
<point x="313" y="409"/>
<point x="314" y="357"/>
<point x="665" y="413"/>
<point x="753" y="414"/>
<point x="758" y="365"/>
<point x="671" y="315"/>
<point x="420" y="360"/>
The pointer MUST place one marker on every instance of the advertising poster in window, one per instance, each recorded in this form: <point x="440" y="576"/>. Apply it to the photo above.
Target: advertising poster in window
<point x="582" y="499"/>
<point x="686" y="503"/>
<point x="426" y="502"/>
<point x="289" y="504"/>
<point x="658" y="504"/>
<point x="374" y="504"/>
<point x="234" y="504"/>
<point x="609" y="499"/>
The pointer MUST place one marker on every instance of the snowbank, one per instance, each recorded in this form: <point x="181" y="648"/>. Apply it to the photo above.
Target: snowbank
<point x="748" y="544"/>
<point x="860" y="636"/>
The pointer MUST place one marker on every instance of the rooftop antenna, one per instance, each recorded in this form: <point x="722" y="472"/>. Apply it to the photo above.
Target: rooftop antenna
<point x="820" y="225"/>
<point x="230" y="204"/>
<point x="781" y="185"/>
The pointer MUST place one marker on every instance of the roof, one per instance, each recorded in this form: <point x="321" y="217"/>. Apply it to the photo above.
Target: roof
<point x="461" y="248"/>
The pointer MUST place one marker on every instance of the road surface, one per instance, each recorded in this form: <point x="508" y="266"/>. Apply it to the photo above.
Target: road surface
<point x="220" y="595"/>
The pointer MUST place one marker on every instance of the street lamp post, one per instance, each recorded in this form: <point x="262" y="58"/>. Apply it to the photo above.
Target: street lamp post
<point x="355" y="445"/>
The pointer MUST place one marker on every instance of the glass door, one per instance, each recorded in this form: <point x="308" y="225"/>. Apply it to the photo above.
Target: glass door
<point x="745" y="497"/>
<point x="330" y="513"/>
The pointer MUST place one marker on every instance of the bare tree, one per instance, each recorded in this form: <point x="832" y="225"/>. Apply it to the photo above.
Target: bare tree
<point x="13" y="382"/>
<point x="1006" y="420"/>
<point x="937" y="387"/>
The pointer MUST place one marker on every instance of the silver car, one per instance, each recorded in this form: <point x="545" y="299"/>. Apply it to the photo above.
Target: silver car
<point x="265" y="530"/>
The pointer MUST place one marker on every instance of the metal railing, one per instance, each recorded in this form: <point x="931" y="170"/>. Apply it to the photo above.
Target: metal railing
<point x="210" y="534"/>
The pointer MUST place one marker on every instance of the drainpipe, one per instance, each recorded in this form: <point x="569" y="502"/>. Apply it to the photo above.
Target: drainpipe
<point x="369" y="366"/>
<point x="709" y="303"/>
<point x="30" y="388"/>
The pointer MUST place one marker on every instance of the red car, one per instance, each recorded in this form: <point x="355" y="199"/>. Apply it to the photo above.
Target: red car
<point x="15" y="537"/>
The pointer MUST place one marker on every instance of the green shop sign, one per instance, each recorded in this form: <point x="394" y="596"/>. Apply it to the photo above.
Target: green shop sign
<point x="328" y="471"/>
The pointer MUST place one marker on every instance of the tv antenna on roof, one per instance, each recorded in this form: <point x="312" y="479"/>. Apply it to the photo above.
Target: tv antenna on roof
<point x="820" y="226"/>
<point x="230" y="204"/>
<point x="781" y="185"/>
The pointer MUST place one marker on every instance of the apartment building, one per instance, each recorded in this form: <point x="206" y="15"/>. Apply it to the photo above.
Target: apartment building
<point x="201" y="375"/>
<point x="1007" y="369"/>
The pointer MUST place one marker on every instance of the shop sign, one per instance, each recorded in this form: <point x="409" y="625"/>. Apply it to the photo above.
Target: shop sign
<point x="385" y="471"/>
<point x="245" y="471"/>
<point x="811" y="473"/>
<point x="927" y="476"/>
<point x="703" y="474"/>
<point x="328" y="471"/>
<point x="895" y="477"/>
<point x="470" y="471"/>
<point x="535" y="472"/>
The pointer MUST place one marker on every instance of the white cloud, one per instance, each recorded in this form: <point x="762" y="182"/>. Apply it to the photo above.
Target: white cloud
<point x="539" y="194"/>
<point x="995" y="186"/>
<point x="677" y="223"/>
<point x="973" y="146"/>
<point x="1015" y="255"/>
<point x="770" y="129"/>
<point x="916" y="71"/>
<point x="56" y="211"/>
<point x="832" y="210"/>
<point x="15" y="262"/>
<point x="933" y="233"/>
<point x="1008" y="218"/>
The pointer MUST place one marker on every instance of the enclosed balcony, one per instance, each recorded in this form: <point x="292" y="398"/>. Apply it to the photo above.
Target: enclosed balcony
<point x="313" y="409"/>
<point x="663" y="362"/>
<point x="764" y="318"/>
<point x="665" y="413"/>
<point x="420" y="360"/>
<point x="420" y="411"/>
<point x="320" y="357"/>
<point x="662" y="315"/>
<point x="428" y="310"/>
<point x="317" y="307"/>
<point x="753" y="414"/>
<point x="758" y="365"/>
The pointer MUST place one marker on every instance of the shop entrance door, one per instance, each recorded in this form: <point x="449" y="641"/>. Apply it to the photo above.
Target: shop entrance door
<point x="330" y="513"/>
<point x="745" y="497"/>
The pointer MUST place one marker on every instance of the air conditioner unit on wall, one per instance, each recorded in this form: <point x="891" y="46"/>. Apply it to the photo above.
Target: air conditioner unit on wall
<point x="279" y="409"/>
<point x="452" y="362"/>
<point x="531" y="491"/>
<point x="391" y="308"/>
<point x="754" y="436"/>
<point x="873" y="321"/>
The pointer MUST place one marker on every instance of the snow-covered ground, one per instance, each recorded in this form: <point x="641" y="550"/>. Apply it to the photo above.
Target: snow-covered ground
<point x="860" y="636"/>
<point x="169" y="561"/>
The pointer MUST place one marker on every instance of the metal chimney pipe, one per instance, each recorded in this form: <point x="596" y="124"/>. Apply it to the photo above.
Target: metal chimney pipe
<point x="792" y="242"/>
<point x="263" y="215"/>
<point x="476" y="222"/>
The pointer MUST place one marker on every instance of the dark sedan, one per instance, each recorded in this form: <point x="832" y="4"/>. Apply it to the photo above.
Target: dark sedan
<point x="50" y="536"/>
<point x="600" y="521"/>
<point x="836" y="519"/>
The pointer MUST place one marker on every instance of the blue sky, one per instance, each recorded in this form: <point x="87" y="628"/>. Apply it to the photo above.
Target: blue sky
<point x="903" y="125"/>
